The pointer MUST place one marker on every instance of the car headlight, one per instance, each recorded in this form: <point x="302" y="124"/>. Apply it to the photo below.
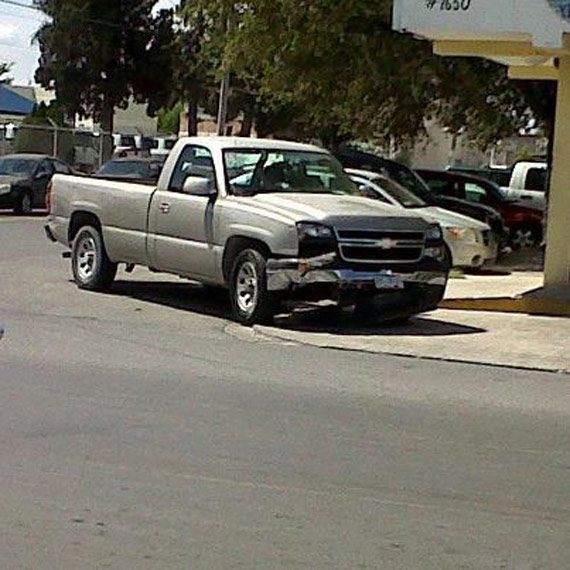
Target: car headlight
<point x="436" y="253"/>
<point x="307" y="230"/>
<point x="434" y="233"/>
<point x="5" y="189"/>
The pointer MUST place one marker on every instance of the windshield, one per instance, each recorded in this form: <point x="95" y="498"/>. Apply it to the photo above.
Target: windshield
<point x="270" y="171"/>
<point x="402" y="195"/>
<point x="127" y="169"/>
<point x="409" y="180"/>
<point x="17" y="166"/>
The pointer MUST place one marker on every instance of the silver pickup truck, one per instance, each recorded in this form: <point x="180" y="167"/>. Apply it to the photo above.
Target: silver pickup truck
<point x="269" y="220"/>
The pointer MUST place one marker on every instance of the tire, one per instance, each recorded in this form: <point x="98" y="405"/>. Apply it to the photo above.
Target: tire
<point x="25" y="205"/>
<point x="92" y="269"/>
<point x="523" y="237"/>
<point x="251" y="302"/>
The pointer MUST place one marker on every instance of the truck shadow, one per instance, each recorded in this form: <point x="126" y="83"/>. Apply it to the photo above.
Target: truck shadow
<point x="213" y="302"/>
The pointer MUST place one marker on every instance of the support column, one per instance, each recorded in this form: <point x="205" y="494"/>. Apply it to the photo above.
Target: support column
<point x="557" y="269"/>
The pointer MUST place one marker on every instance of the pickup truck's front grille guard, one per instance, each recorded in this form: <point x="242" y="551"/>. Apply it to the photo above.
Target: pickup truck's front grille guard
<point x="364" y="242"/>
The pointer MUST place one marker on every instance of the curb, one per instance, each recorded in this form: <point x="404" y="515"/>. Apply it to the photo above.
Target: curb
<point x="522" y="305"/>
<point x="262" y="333"/>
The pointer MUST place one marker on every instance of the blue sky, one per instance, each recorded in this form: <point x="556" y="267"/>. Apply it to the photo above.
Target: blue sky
<point x="17" y="28"/>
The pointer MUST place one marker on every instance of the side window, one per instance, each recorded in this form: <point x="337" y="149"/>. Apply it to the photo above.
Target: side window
<point x="536" y="180"/>
<point x="474" y="192"/>
<point x="61" y="167"/>
<point x="441" y="187"/>
<point x="44" y="169"/>
<point x="193" y="161"/>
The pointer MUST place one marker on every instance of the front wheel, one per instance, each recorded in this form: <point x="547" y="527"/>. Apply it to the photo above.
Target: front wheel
<point x="251" y="302"/>
<point x="92" y="269"/>
<point x="25" y="205"/>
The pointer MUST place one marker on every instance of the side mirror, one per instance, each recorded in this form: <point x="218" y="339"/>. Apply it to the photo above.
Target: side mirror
<point x="198" y="186"/>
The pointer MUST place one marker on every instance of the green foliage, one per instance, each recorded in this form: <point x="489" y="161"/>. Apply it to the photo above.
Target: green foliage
<point x="340" y="72"/>
<point x="100" y="53"/>
<point x="169" y="119"/>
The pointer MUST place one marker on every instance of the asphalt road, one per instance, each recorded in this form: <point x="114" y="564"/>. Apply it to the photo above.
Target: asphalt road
<point x="136" y="432"/>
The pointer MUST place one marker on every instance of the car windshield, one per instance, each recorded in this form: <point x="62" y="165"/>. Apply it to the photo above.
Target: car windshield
<point x="268" y="171"/>
<point x="17" y="166"/>
<point x="126" y="169"/>
<point x="399" y="193"/>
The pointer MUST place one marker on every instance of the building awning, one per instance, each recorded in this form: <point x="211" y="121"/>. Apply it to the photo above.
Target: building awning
<point x="12" y="103"/>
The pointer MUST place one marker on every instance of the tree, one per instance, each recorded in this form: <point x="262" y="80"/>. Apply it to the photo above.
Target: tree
<point x="343" y="73"/>
<point x="4" y="71"/>
<point x="98" y="54"/>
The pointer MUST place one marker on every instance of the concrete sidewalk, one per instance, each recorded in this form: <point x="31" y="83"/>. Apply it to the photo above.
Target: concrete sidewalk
<point x="518" y="341"/>
<point x="481" y="336"/>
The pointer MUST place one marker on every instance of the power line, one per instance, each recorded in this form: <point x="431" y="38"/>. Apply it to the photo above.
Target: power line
<point x="79" y="17"/>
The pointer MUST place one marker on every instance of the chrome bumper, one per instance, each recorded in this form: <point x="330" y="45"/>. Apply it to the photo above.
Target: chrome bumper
<point x="283" y="274"/>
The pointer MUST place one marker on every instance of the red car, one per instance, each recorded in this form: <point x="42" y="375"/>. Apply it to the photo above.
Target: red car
<point x="525" y="225"/>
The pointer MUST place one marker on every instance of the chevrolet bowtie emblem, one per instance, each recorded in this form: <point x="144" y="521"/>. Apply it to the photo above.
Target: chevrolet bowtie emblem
<point x="386" y="243"/>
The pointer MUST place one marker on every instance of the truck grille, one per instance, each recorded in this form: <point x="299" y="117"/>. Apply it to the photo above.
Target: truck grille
<point x="381" y="246"/>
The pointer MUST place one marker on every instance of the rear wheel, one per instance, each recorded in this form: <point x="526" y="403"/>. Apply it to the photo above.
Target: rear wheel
<point x="251" y="302"/>
<point x="92" y="269"/>
<point x="524" y="237"/>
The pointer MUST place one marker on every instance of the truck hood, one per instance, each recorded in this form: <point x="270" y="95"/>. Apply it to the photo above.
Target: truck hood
<point x="450" y="219"/>
<point x="320" y="207"/>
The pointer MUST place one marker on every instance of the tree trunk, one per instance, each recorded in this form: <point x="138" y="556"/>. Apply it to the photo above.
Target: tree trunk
<point x="192" y="119"/>
<point x="246" y="126"/>
<point x="107" y="126"/>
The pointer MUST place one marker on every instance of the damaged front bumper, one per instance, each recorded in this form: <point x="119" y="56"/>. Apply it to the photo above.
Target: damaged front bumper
<point x="287" y="274"/>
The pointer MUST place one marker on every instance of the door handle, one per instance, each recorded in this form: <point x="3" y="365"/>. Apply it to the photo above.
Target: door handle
<point x="164" y="208"/>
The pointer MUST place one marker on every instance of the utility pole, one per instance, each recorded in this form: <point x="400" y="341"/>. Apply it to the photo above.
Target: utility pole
<point x="223" y="106"/>
<point x="224" y="93"/>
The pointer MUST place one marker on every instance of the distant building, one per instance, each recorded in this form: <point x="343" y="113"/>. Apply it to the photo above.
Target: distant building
<point x="16" y="103"/>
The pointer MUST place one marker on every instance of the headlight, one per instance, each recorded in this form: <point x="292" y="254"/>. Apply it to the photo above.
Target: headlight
<point x="434" y="233"/>
<point x="5" y="189"/>
<point x="308" y="230"/>
<point x="435" y="253"/>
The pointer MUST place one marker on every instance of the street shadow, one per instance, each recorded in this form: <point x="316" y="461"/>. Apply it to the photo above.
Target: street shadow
<point x="195" y="298"/>
<point x="184" y="296"/>
<point x="34" y="214"/>
<point x="330" y="320"/>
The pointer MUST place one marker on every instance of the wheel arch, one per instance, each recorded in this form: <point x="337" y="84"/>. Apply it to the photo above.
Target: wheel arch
<point x="235" y="245"/>
<point x="82" y="218"/>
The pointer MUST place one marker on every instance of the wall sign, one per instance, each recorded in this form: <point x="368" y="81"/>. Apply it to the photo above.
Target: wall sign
<point x="542" y="22"/>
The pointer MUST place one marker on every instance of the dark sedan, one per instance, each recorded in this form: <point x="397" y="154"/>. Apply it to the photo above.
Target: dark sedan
<point x="524" y="224"/>
<point x="132" y="168"/>
<point x="406" y="177"/>
<point x="24" y="179"/>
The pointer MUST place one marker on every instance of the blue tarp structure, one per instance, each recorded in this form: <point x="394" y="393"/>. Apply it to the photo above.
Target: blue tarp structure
<point x="13" y="104"/>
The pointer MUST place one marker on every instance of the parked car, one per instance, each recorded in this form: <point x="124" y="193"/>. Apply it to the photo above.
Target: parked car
<point x="134" y="168"/>
<point x="296" y="228"/>
<point x="162" y="146"/>
<point x="470" y="242"/>
<point x="500" y="176"/>
<point x="24" y="179"/>
<point x="528" y="184"/>
<point x="406" y="177"/>
<point x="523" y="224"/>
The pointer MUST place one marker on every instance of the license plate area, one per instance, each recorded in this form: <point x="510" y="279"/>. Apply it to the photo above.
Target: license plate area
<point x="389" y="282"/>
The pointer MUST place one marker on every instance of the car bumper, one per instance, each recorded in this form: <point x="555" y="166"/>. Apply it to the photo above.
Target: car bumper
<point x="287" y="274"/>
<point x="473" y="254"/>
<point x="56" y="230"/>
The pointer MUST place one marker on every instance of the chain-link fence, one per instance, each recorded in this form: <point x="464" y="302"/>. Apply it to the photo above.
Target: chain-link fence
<point x="82" y="150"/>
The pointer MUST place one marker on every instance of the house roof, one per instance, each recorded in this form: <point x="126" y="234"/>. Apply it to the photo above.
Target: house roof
<point x="13" y="103"/>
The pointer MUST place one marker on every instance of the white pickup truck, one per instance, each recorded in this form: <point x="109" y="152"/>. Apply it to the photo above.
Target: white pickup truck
<point x="269" y="220"/>
<point x="528" y="184"/>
